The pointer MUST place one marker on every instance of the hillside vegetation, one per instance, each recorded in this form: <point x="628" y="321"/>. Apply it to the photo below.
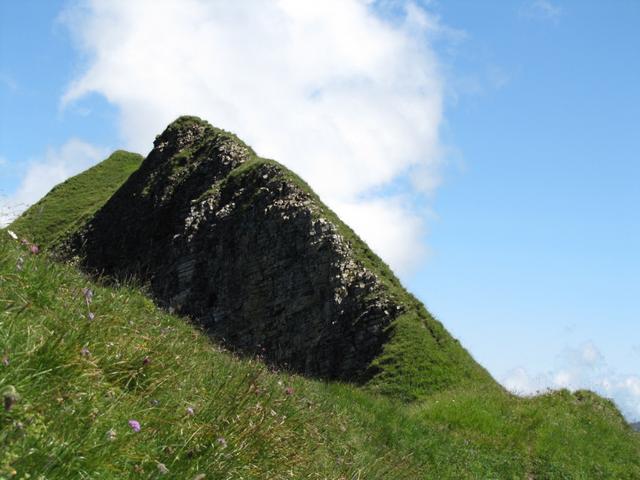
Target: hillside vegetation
<point x="70" y="204"/>
<point x="71" y="386"/>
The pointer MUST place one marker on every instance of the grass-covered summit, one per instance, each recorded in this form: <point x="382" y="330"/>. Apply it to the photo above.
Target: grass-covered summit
<point x="68" y="205"/>
<point x="243" y="246"/>
<point x="71" y="383"/>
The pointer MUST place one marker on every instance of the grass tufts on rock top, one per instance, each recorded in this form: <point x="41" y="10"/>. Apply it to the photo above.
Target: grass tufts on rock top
<point x="68" y="205"/>
<point x="72" y="385"/>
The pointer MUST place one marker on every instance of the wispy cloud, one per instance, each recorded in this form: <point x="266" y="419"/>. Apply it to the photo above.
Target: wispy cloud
<point x="43" y="173"/>
<point x="348" y="100"/>
<point x="541" y="10"/>
<point x="581" y="368"/>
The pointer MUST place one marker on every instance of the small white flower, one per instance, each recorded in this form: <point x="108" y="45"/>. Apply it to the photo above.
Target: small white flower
<point x="12" y="234"/>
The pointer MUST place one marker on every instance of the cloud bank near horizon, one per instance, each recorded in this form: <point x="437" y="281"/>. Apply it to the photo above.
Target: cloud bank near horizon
<point x="350" y="101"/>
<point x="580" y="368"/>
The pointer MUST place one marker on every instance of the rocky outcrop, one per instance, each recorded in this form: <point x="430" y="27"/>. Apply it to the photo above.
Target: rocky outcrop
<point x="245" y="248"/>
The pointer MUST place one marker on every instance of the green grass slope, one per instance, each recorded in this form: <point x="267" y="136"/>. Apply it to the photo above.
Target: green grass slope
<point x="71" y="385"/>
<point x="70" y="204"/>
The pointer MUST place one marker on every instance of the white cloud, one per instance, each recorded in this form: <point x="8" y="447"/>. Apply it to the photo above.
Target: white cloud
<point x="542" y="10"/>
<point x="369" y="218"/>
<point x="345" y="99"/>
<point x="581" y="368"/>
<point x="40" y="175"/>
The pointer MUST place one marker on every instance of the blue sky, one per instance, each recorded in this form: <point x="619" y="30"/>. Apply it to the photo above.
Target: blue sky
<point x="513" y="212"/>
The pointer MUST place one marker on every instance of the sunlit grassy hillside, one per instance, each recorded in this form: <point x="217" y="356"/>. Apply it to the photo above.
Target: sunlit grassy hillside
<point x="70" y="204"/>
<point x="74" y="385"/>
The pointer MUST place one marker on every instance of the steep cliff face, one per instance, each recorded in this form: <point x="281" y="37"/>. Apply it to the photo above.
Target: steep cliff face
<point x="243" y="246"/>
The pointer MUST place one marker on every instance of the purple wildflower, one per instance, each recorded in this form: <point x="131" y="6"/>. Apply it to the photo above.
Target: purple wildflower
<point x="33" y="248"/>
<point x="88" y="295"/>
<point x="288" y="390"/>
<point x="135" y="425"/>
<point x="190" y="411"/>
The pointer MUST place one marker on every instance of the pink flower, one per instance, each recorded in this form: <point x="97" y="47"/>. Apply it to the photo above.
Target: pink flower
<point x="135" y="425"/>
<point x="288" y="390"/>
<point x="33" y="248"/>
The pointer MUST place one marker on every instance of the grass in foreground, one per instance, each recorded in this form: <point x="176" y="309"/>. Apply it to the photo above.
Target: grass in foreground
<point x="72" y="388"/>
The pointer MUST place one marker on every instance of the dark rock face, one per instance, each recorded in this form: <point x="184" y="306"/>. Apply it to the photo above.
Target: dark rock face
<point x="238" y="245"/>
<point x="636" y="426"/>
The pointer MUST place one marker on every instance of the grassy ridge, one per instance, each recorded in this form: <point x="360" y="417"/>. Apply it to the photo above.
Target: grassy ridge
<point x="78" y="382"/>
<point x="70" y="204"/>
